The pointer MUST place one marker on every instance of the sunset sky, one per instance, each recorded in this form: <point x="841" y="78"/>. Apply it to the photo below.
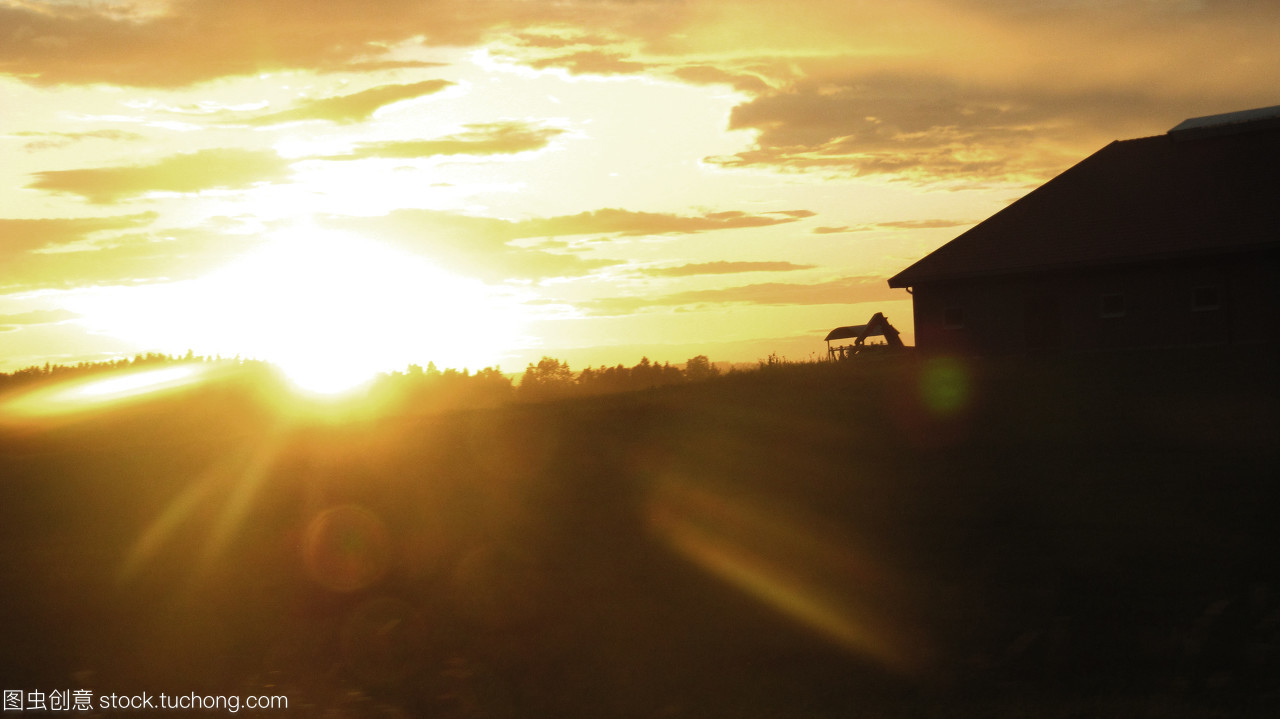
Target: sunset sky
<point x="481" y="182"/>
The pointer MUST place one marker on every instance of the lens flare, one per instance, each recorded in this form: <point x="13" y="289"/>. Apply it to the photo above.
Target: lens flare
<point x="228" y="487"/>
<point x="785" y="563"/>
<point x="944" y="385"/>
<point x="346" y="548"/>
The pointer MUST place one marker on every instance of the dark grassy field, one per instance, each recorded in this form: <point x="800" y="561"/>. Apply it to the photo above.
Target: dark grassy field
<point x="897" y="537"/>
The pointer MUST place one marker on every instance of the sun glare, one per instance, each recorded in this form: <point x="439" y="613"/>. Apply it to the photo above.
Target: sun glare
<point x="97" y="393"/>
<point x="330" y="309"/>
<point x="135" y="383"/>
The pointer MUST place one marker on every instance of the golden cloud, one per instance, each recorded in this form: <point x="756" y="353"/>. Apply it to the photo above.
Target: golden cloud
<point x="559" y="38"/>
<point x="847" y="290"/>
<point x="165" y="255"/>
<point x="492" y="138"/>
<point x="482" y="246"/>
<point x="704" y="74"/>
<point x="592" y="62"/>
<point x="722" y="268"/>
<point x="472" y="246"/>
<point x="38" y="317"/>
<point x="54" y="140"/>
<point x="894" y="225"/>
<point x="356" y="107"/>
<point x="219" y="168"/>
<point x="627" y="223"/>
<point x="1201" y="47"/>
<point x="909" y="126"/>
<point x="23" y="235"/>
<point x="381" y="65"/>
<point x="609" y="221"/>
<point x="194" y="41"/>
<point x="199" y="40"/>
<point x="983" y="91"/>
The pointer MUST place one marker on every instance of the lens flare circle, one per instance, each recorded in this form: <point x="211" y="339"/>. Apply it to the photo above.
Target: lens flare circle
<point x="945" y="386"/>
<point x="346" y="548"/>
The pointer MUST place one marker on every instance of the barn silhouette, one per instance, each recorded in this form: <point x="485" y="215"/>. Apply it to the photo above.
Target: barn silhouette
<point x="1161" y="241"/>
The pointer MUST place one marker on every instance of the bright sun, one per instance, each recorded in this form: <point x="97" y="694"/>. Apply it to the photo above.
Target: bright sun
<point x="330" y="309"/>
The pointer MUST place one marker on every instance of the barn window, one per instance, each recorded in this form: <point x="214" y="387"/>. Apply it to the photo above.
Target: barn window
<point x="953" y="317"/>
<point x="1112" y="305"/>
<point x="1206" y="298"/>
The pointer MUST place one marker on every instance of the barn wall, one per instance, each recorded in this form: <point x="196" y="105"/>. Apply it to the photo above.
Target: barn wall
<point x="1102" y="309"/>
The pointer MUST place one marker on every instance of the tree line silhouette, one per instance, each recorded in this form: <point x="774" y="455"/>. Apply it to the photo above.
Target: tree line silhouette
<point x="429" y="387"/>
<point x="551" y="378"/>
<point x="57" y="372"/>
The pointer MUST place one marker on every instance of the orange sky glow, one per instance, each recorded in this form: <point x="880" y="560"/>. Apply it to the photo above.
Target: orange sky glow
<point x="352" y="186"/>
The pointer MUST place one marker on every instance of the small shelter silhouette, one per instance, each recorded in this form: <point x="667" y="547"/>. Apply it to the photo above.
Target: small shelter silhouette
<point x="878" y="326"/>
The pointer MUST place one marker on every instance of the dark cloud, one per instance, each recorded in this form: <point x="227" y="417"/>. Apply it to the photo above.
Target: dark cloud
<point x="494" y="138"/>
<point x="186" y="173"/>
<point x="910" y="126"/>
<point x="356" y="107"/>
<point x="19" y="236"/>
<point x="848" y="290"/>
<point x="722" y="268"/>
<point x="929" y="126"/>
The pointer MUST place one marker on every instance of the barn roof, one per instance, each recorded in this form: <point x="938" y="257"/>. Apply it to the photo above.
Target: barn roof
<point x="1208" y="186"/>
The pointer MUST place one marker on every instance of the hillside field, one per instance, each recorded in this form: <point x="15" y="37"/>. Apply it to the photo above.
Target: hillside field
<point x="898" y="536"/>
